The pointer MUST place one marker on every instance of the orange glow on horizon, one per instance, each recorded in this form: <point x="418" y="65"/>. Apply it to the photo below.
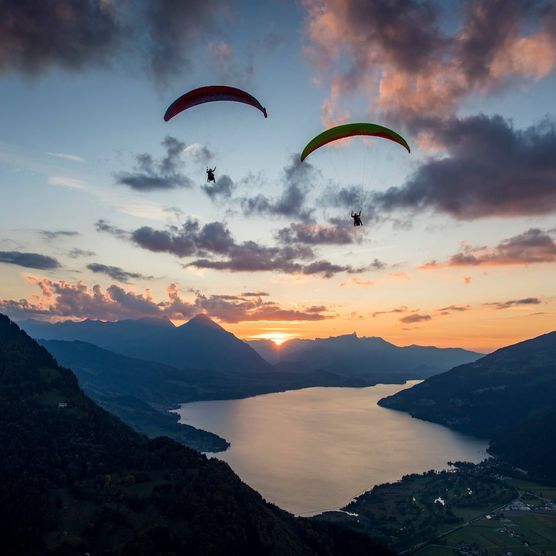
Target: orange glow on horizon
<point x="277" y="337"/>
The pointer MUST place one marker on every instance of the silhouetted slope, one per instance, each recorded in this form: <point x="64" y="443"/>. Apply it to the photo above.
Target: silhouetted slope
<point x="350" y="355"/>
<point x="104" y="374"/>
<point x="197" y="344"/>
<point x="76" y="480"/>
<point x="531" y="445"/>
<point x="508" y="396"/>
<point x="137" y="391"/>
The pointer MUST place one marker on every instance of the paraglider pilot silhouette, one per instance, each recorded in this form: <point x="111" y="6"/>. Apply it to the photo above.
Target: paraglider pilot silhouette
<point x="210" y="174"/>
<point x="357" y="218"/>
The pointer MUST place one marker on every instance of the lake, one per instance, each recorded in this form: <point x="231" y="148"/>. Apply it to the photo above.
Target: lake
<point x="316" y="449"/>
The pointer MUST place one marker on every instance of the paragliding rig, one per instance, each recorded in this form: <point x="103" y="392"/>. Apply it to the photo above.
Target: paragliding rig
<point x="210" y="174"/>
<point x="356" y="218"/>
<point x="212" y="93"/>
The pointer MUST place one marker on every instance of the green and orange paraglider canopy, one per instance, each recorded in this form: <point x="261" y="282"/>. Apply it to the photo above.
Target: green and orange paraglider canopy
<point x="350" y="130"/>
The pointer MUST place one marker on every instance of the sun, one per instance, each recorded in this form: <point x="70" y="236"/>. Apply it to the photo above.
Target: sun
<point x="277" y="337"/>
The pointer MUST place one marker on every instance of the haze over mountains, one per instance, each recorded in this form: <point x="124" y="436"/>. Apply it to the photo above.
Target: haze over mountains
<point x="198" y="344"/>
<point x="76" y="480"/>
<point x="202" y="344"/>
<point x="350" y="355"/>
<point x="141" y="369"/>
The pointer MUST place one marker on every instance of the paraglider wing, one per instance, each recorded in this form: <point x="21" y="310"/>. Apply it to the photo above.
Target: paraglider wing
<point x="350" y="130"/>
<point x="211" y="94"/>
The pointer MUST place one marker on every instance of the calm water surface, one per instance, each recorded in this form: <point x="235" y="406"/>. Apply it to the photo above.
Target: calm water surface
<point x="316" y="449"/>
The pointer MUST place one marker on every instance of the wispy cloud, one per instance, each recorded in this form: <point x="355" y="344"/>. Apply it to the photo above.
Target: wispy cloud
<point x="76" y="253"/>
<point x="400" y="309"/>
<point x="51" y="235"/>
<point x="117" y="273"/>
<point x="65" y="181"/>
<point x="67" y="156"/>
<point x="415" y="317"/>
<point x="514" y="303"/>
<point x="151" y="175"/>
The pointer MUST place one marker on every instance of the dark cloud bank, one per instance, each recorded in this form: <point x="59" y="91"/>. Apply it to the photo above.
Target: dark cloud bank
<point x="213" y="246"/>
<point x="29" y="260"/>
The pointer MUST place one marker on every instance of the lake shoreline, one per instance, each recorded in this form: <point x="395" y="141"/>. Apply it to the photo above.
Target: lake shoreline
<point x="296" y="446"/>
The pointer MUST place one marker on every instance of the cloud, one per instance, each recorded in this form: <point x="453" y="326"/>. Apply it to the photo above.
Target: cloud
<point x="152" y="175"/>
<point x="514" y="303"/>
<point x="73" y="35"/>
<point x="189" y="239"/>
<point x="292" y="202"/>
<point x="51" y="235"/>
<point x="35" y="36"/>
<point x="221" y="188"/>
<point x="117" y="273"/>
<point x="398" y="55"/>
<point x="29" y="260"/>
<point x="491" y="169"/>
<point x="255" y="294"/>
<point x="67" y="156"/>
<point x="226" y="66"/>
<point x="401" y="309"/>
<point x="251" y="257"/>
<point x="215" y="240"/>
<point x="105" y="227"/>
<point x="454" y="308"/>
<point x="200" y="153"/>
<point x="415" y="317"/>
<point x="76" y="253"/>
<point x="64" y="181"/>
<point x="315" y="234"/>
<point x="531" y="247"/>
<point x="357" y="282"/>
<point x="174" y="28"/>
<point x="61" y="299"/>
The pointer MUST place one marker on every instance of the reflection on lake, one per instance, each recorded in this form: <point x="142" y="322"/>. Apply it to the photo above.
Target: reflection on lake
<point x="316" y="449"/>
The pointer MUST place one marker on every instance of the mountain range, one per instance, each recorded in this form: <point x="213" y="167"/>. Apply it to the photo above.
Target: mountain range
<point x="507" y="396"/>
<point x="140" y="369"/>
<point x="198" y="344"/>
<point x="76" y="480"/>
<point x="350" y="355"/>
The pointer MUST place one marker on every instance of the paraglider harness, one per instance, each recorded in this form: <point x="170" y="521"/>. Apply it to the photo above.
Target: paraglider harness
<point x="210" y="174"/>
<point x="357" y="218"/>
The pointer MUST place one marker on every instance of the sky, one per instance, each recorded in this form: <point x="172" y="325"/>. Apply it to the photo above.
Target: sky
<point x="105" y="212"/>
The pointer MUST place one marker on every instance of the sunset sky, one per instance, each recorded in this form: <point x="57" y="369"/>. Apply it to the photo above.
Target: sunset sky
<point x="105" y="213"/>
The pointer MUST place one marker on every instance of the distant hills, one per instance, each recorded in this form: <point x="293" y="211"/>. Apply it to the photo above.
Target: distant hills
<point x="76" y="480"/>
<point x="137" y="391"/>
<point x="141" y="392"/>
<point x="508" y="396"/>
<point x="350" y="355"/>
<point x="140" y="369"/>
<point x="198" y="344"/>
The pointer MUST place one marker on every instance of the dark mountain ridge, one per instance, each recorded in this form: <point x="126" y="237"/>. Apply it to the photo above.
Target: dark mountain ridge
<point x="363" y="357"/>
<point x="76" y="480"/>
<point x="507" y="396"/>
<point x="198" y="344"/>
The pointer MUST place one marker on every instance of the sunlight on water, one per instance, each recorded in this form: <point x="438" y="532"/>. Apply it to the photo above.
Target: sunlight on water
<point x="315" y="449"/>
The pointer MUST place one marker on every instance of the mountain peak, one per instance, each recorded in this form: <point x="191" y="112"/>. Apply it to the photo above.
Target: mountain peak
<point x="202" y="320"/>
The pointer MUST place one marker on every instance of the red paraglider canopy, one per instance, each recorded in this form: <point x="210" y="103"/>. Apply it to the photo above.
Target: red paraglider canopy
<point x="210" y="94"/>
